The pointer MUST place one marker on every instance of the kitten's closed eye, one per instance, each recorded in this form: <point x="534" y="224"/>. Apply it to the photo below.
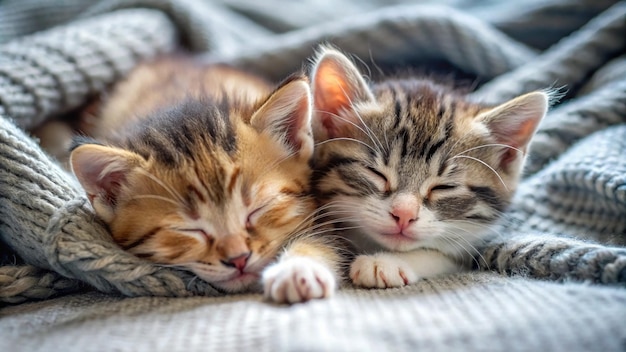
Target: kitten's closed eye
<point x="443" y="187"/>
<point x="384" y="180"/>
<point x="254" y="215"/>
<point x="377" y="173"/>
<point x="205" y="235"/>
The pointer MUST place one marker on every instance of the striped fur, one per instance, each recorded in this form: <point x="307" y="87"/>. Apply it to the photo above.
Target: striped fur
<point x="204" y="168"/>
<point x="415" y="167"/>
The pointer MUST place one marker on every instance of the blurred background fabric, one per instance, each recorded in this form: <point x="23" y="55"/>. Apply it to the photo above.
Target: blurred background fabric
<point x="553" y="277"/>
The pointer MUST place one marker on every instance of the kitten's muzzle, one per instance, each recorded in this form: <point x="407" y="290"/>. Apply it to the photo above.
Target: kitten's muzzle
<point x="238" y="262"/>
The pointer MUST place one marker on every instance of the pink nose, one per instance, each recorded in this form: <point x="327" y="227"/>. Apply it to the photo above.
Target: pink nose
<point x="404" y="216"/>
<point x="238" y="262"/>
<point x="404" y="210"/>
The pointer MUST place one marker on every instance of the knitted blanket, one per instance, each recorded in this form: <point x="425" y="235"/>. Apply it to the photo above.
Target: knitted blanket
<point x="568" y="219"/>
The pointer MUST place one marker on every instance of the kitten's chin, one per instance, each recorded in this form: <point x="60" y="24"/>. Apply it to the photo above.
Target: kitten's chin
<point x="372" y="241"/>
<point x="397" y="242"/>
<point x="401" y="241"/>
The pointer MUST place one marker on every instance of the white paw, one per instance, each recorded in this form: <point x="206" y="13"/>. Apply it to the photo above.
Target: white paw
<point x="298" y="280"/>
<point x="381" y="271"/>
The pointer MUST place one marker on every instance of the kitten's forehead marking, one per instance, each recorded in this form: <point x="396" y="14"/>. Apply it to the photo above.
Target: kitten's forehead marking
<point x="422" y="121"/>
<point x="234" y="177"/>
<point x="198" y="126"/>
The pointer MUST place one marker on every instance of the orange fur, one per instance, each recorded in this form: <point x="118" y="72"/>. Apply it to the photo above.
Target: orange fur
<point x="167" y="81"/>
<point x="199" y="168"/>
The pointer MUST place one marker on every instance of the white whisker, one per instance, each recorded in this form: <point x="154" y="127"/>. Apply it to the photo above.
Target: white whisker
<point x="484" y="163"/>
<point x="195" y="277"/>
<point x="275" y="164"/>
<point x="463" y="238"/>
<point x="378" y="147"/>
<point x="454" y="243"/>
<point x="346" y="139"/>
<point x="368" y="131"/>
<point x="151" y="196"/>
<point x="489" y="227"/>
<point x="167" y="188"/>
<point x="490" y="145"/>
<point x="447" y="154"/>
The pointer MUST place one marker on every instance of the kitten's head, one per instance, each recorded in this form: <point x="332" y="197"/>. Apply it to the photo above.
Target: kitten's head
<point x="411" y="163"/>
<point x="216" y="188"/>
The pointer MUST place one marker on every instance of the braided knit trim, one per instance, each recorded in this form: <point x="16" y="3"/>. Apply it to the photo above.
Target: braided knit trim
<point x="47" y="222"/>
<point x="26" y="282"/>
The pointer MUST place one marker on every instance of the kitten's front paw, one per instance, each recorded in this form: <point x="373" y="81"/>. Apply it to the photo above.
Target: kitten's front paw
<point x="381" y="271"/>
<point x="298" y="280"/>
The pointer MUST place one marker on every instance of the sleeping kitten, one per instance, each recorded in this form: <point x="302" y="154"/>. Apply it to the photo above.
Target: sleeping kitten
<point x="206" y="168"/>
<point x="421" y="171"/>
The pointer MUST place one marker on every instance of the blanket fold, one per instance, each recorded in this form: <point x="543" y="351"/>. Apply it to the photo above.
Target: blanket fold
<point x="575" y="187"/>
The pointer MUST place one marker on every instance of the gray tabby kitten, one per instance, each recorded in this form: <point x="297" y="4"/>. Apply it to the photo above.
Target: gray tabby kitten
<point x="420" y="172"/>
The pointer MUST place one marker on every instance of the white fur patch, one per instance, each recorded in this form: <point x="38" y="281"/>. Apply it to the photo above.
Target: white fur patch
<point x="298" y="279"/>
<point x="396" y="269"/>
<point x="381" y="271"/>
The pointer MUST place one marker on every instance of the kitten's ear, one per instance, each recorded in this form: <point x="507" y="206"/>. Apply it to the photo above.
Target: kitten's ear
<point x="337" y="87"/>
<point x="102" y="171"/>
<point x="286" y="116"/>
<point x="514" y="123"/>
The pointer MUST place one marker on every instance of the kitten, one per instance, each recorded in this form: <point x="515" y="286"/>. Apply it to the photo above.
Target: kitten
<point x="421" y="171"/>
<point x="206" y="168"/>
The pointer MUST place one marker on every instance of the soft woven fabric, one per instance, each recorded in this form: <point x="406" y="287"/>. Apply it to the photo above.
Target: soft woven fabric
<point x="576" y="176"/>
<point x="47" y="222"/>
<point x="552" y="279"/>
<point x="475" y="312"/>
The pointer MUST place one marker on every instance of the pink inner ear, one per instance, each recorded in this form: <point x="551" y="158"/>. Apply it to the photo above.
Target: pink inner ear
<point x="507" y="158"/>
<point x="514" y="123"/>
<point x="337" y="87"/>
<point x="330" y="98"/>
<point x="517" y="134"/>
<point x="286" y="116"/>
<point x="333" y="93"/>
<point x="101" y="171"/>
<point x="525" y="133"/>
<point x="110" y="185"/>
<point x="517" y="120"/>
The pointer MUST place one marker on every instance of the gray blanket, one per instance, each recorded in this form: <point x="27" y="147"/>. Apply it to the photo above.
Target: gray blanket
<point x="567" y="223"/>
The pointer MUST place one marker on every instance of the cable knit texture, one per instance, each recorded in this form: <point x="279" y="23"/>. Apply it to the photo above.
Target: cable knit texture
<point x="575" y="184"/>
<point x="552" y="278"/>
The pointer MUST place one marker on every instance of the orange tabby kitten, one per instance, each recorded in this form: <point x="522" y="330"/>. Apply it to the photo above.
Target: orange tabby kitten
<point x="207" y="168"/>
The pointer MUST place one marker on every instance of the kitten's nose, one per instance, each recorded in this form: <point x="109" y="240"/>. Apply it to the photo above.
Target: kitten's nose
<point x="403" y="216"/>
<point x="238" y="262"/>
<point x="404" y="210"/>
